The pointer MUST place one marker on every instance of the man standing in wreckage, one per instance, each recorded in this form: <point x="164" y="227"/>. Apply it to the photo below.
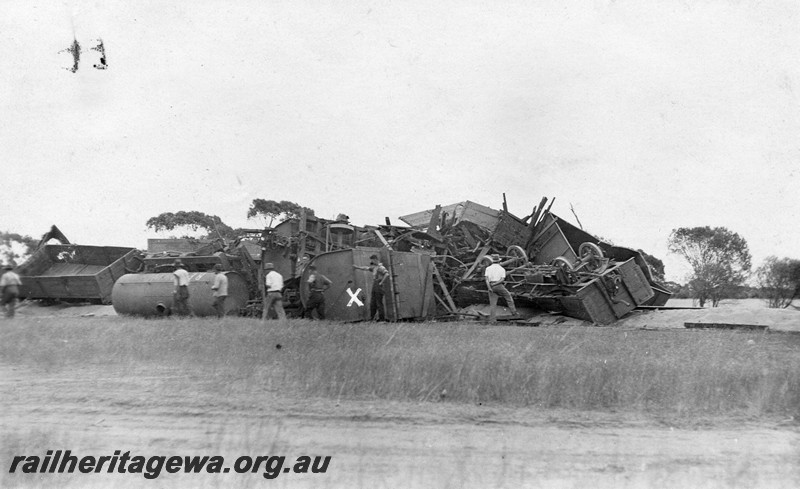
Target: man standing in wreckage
<point x="180" y="298"/>
<point x="317" y="285"/>
<point x="9" y="287"/>
<point x="379" y="276"/>
<point x="274" y="289"/>
<point x="220" y="289"/>
<point x="495" y="275"/>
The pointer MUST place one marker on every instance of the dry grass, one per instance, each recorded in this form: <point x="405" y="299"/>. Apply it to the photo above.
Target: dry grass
<point x="659" y="372"/>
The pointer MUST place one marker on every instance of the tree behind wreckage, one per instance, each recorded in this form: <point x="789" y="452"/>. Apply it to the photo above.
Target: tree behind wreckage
<point x="779" y="280"/>
<point x="194" y="220"/>
<point x="720" y="260"/>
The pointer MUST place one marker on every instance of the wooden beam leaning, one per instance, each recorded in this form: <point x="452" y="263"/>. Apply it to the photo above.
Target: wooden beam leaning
<point x="434" y="222"/>
<point x="478" y="260"/>
<point x="534" y="223"/>
<point x="383" y="240"/>
<point x="451" y="304"/>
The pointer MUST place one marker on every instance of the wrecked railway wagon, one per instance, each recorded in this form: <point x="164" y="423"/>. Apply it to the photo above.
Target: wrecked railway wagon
<point x="408" y="291"/>
<point x="73" y="272"/>
<point x="552" y="265"/>
<point x="148" y="291"/>
<point x="556" y="237"/>
<point x="151" y="294"/>
<point x="436" y="266"/>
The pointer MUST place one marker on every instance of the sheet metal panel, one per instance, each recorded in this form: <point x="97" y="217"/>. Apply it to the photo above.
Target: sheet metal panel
<point x="550" y="244"/>
<point x="635" y="283"/>
<point x="413" y="284"/>
<point x="462" y="211"/>
<point x="180" y="245"/>
<point x="338" y="267"/>
<point x="604" y="307"/>
<point x="410" y="277"/>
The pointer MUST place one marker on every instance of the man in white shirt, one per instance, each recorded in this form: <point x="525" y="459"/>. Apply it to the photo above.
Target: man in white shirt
<point x="495" y="275"/>
<point x="274" y="283"/>
<point x="220" y="289"/>
<point x="180" y="303"/>
<point x="9" y="287"/>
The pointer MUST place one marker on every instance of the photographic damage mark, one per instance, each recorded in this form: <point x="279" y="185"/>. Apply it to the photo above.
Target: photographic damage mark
<point x="100" y="48"/>
<point x="75" y="49"/>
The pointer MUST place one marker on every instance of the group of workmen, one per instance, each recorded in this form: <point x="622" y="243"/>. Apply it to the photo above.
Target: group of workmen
<point x="180" y="296"/>
<point x="317" y="284"/>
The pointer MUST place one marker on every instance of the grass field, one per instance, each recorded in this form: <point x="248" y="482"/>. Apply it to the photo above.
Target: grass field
<point x="715" y="373"/>
<point x="405" y="405"/>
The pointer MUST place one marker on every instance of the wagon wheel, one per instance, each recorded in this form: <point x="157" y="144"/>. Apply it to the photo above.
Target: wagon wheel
<point x="592" y="256"/>
<point x="563" y="264"/>
<point x="564" y="270"/>
<point x="136" y="267"/>
<point x="517" y="252"/>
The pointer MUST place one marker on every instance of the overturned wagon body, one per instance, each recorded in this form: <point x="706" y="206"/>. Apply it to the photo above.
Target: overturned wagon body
<point x="408" y="290"/>
<point x="150" y="294"/>
<point x="555" y="237"/>
<point x="599" y="298"/>
<point x="73" y="272"/>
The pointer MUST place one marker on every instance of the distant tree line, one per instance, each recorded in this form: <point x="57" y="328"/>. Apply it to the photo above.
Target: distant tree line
<point x="721" y="264"/>
<point x="16" y="248"/>
<point x="184" y="221"/>
<point x="719" y="258"/>
<point x="779" y="280"/>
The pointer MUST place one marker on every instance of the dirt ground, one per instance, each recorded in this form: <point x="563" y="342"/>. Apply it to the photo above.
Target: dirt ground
<point x="384" y="444"/>
<point x="746" y="311"/>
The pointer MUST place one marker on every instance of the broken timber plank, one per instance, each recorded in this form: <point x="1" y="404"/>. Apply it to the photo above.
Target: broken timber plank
<point x="478" y="260"/>
<point x="383" y="240"/>
<point x="442" y="302"/>
<point x="434" y="222"/>
<point x="444" y="288"/>
<point x="666" y="308"/>
<point x="533" y="213"/>
<point x="468" y="237"/>
<point x="534" y="223"/>
<point x="549" y="206"/>
<point x="724" y="326"/>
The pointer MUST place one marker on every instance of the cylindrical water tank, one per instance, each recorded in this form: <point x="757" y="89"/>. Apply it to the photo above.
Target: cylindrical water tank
<point x="150" y="294"/>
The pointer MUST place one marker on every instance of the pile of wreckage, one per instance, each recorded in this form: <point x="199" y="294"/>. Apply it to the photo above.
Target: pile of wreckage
<point x="435" y="263"/>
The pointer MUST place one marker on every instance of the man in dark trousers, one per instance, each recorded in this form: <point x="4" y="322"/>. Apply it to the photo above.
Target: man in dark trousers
<point x="495" y="275"/>
<point x="220" y="289"/>
<point x="273" y="282"/>
<point x="317" y="285"/>
<point x="9" y="287"/>
<point x="180" y="277"/>
<point x="379" y="276"/>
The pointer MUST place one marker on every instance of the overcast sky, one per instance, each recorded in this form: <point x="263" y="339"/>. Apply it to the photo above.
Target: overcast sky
<point x="645" y="116"/>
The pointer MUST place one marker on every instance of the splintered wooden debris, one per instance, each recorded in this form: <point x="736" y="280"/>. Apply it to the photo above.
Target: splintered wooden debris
<point x="724" y="326"/>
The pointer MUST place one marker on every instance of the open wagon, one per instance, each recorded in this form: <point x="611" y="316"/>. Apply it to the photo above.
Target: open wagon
<point x="73" y="272"/>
